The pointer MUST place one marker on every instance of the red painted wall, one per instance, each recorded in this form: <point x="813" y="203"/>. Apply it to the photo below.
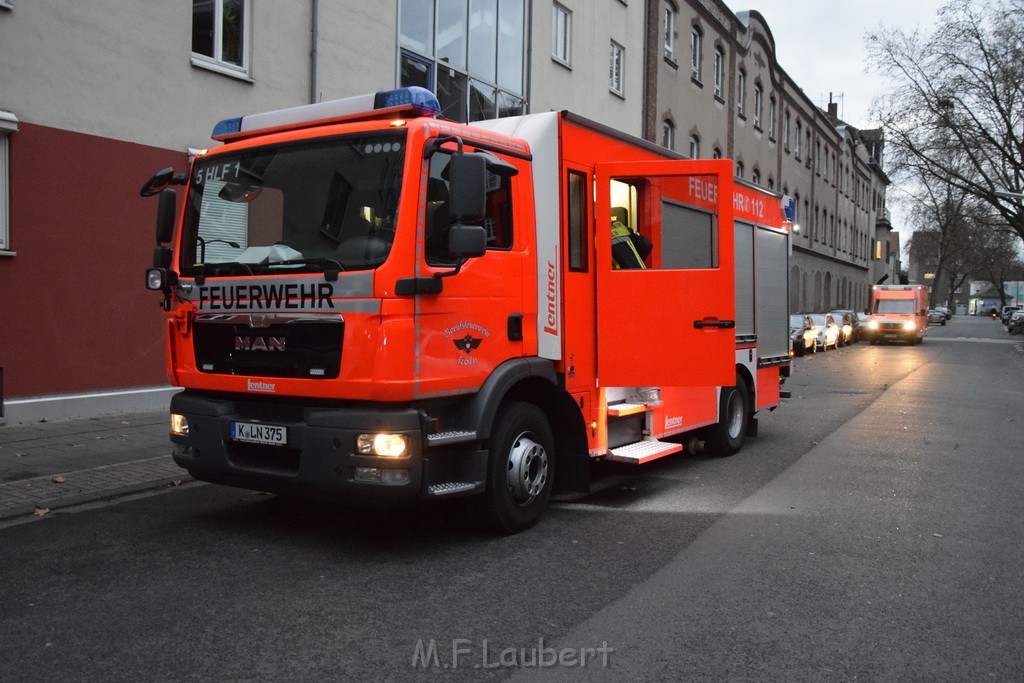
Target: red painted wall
<point x="74" y="311"/>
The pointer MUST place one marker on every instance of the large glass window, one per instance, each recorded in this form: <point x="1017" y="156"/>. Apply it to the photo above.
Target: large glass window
<point x="471" y="54"/>
<point x="220" y="30"/>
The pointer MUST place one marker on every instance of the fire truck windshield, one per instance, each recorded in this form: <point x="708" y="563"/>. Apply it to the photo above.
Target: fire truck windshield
<point x="299" y="207"/>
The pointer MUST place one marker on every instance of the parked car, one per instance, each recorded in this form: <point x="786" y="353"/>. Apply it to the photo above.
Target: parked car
<point x="803" y="334"/>
<point x="1016" y="324"/>
<point x="845" y="319"/>
<point x="937" y="317"/>
<point x="1007" y="312"/>
<point x="828" y="331"/>
<point x="860" y="330"/>
<point x="948" y="312"/>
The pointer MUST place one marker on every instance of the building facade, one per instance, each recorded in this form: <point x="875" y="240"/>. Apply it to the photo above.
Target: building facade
<point x="94" y="97"/>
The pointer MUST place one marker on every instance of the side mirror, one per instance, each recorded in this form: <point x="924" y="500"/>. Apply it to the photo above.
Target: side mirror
<point x="467" y="187"/>
<point x="165" y="214"/>
<point x="467" y="241"/>
<point x="158" y="182"/>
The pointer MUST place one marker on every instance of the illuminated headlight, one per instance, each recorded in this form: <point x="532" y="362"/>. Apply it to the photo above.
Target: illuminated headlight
<point x="155" y="278"/>
<point x="179" y="425"/>
<point x="909" y="325"/>
<point x="872" y="324"/>
<point x="385" y="445"/>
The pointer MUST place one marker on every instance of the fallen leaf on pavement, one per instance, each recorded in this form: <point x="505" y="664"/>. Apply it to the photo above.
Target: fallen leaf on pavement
<point x="177" y="482"/>
<point x="39" y="512"/>
<point x="58" y="480"/>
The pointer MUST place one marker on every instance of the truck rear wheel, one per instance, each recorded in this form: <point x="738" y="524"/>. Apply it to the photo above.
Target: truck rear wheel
<point x="726" y="437"/>
<point x="520" y="469"/>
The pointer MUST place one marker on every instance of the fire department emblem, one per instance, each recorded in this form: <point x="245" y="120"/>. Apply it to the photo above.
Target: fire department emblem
<point x="467" y="343"/>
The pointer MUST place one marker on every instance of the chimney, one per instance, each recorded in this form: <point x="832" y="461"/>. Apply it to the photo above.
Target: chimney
<point x="833" y="109"/>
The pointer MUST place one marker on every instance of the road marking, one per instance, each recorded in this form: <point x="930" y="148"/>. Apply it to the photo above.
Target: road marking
<point x="973" y="339"/>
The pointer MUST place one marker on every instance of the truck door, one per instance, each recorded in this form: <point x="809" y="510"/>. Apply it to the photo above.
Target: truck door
<point x="671" y="322"/>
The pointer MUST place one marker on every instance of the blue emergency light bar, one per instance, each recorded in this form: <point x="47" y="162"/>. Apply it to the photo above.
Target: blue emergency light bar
<point x="418" y="101"/>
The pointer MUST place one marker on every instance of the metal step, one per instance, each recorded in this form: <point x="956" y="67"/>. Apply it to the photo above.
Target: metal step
<point x="640" y="452"/>
<point x="450" y="487"/>
<point x="454" y="436"/>
<point x="620" y="409"/>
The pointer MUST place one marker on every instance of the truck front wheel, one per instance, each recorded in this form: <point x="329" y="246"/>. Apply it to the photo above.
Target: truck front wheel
<point x="520" y="468"/>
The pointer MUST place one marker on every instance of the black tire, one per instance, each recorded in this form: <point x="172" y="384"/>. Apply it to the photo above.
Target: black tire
<point x="726" y="437"/>
<point x="520" y="468"/>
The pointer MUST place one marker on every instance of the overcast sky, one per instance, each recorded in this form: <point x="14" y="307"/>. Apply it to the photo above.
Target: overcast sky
<point x="820" y="44"/>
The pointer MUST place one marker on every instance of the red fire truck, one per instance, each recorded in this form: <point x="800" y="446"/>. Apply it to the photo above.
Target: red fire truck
<point x="365" y="301"/>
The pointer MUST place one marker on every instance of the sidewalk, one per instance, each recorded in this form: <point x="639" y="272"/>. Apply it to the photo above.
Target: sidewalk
<point x="50" y="465"/>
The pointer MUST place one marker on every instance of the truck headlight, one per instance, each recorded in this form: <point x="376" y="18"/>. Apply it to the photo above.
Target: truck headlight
<point x="179" y="425"/>
<point x="909" y="325"/>
<point x="384" y="445"/>
<point x="872" y="324"/>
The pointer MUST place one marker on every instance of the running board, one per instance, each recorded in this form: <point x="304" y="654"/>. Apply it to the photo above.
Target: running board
<point x="643" y="451"/>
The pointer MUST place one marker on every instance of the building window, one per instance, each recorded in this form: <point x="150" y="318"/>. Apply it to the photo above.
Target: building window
<point x="797" y="138"/>
<point x="694" y="146"/>
<point x="561" y="34"/>
<point x="220" y="30"/>
<point x="719" y="72"/>
<point x="741" y="94"/>
<point x="670" y="33"/>
<point x="8" y="125"/>
<point x="758" y="104"/>
<point x="739" y="169"/>
<point x="755" y="177"/>
<point x="470" y="55"/>
<point x="617" y="69"/>
<point x="771" y="117"/>
<point x="785" y="130"/>
<point x="716" y="153"/>
<point x="696" y="50"/>
<point x="668" y="134"/>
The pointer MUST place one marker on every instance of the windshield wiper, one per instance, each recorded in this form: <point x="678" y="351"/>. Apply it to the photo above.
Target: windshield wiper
<point x="330" y="266"/>
<point x="202" y="268"/>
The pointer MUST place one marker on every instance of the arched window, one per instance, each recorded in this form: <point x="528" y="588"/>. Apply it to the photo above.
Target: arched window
<point x="741" y="93"/>
<point x="695" y="146"/>
<point x="668" y="134"/>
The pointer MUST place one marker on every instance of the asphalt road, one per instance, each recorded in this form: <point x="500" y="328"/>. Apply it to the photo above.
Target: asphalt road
<point x="872" y="530"/>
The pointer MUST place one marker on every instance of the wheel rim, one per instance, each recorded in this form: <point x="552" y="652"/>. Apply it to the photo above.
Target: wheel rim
<point x="735" y="415"/>
<point x="527" y="469"/>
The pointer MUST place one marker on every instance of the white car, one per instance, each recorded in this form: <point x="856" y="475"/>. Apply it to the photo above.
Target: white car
<point x="828" y="331"/>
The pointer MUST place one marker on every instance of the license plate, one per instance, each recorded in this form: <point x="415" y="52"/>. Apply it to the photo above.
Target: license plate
<point x="254" y="432"/>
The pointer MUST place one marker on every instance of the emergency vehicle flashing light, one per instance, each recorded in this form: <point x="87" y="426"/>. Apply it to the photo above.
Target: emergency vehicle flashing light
<point x="414" y="99"/>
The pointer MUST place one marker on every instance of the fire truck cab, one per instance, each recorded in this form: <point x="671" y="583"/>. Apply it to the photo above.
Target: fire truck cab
<point x="367" y="302"/>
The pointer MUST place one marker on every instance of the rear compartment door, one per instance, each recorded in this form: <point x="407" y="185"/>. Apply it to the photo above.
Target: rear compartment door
<point x="672" y="322"/>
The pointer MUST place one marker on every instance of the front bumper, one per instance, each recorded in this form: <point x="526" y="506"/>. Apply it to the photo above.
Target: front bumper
<point x="319" y="459"/>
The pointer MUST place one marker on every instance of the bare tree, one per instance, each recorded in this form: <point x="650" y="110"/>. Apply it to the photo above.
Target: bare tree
<point x="956" y="111"/>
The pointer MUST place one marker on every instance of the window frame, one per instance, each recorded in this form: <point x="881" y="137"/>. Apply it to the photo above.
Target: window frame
<point x="758" y="104"/>
<point x="216" y="62"/>
<point x="671" y="24"/>
<point x="741" y="93"/>
<point x="617" y="69"/>
<point x="694" y="146"/>
<point x="696" y="53"/>
<point x="563" y="33"/>
<point x="668" y="134"/>
<point x="8" y="125"/>
<point x="719" y="73"/>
